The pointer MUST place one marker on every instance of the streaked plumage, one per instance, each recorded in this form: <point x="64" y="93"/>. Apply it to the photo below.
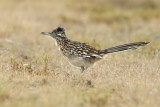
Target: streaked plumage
<point x="82" y="55"/>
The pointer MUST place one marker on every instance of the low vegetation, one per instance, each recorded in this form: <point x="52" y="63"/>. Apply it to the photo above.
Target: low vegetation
<point x="34" y="74"/>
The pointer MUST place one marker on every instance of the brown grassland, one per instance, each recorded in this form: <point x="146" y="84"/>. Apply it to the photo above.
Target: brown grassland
<point x="34" y="74"/>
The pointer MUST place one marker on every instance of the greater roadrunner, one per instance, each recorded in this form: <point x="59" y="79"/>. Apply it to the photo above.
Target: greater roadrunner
<point x="82" y="55"/>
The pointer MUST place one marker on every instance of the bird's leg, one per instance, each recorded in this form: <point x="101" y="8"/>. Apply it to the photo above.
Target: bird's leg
<point x="82" y="69"/>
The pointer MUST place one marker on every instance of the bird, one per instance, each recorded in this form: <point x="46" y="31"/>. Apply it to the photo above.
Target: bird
<point x="83" y="55"/>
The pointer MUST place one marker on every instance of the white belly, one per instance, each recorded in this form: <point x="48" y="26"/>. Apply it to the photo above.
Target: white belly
<point x="78" y="61"/>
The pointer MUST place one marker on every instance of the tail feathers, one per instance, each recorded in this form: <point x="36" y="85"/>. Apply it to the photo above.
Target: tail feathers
<point x="123" y="47"/>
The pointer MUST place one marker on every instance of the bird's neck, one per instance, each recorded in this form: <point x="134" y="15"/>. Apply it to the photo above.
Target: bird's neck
<point x="61" y="42"/>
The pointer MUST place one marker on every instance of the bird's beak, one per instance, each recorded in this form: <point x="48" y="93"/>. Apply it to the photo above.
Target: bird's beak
<point x="45" y="33"/>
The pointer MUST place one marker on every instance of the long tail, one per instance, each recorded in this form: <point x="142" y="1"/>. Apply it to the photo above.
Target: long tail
<point x="123" y="47"/>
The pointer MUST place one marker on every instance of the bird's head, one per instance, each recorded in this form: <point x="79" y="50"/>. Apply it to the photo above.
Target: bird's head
<point x="56" y="33"/>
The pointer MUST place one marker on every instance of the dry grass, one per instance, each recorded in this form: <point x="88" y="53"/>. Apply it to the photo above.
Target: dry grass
<point x="33" y="73"/>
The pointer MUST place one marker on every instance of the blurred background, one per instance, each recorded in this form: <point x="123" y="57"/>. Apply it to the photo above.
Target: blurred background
<point x="99" y="22"/>
<point x="30" y="61"/>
